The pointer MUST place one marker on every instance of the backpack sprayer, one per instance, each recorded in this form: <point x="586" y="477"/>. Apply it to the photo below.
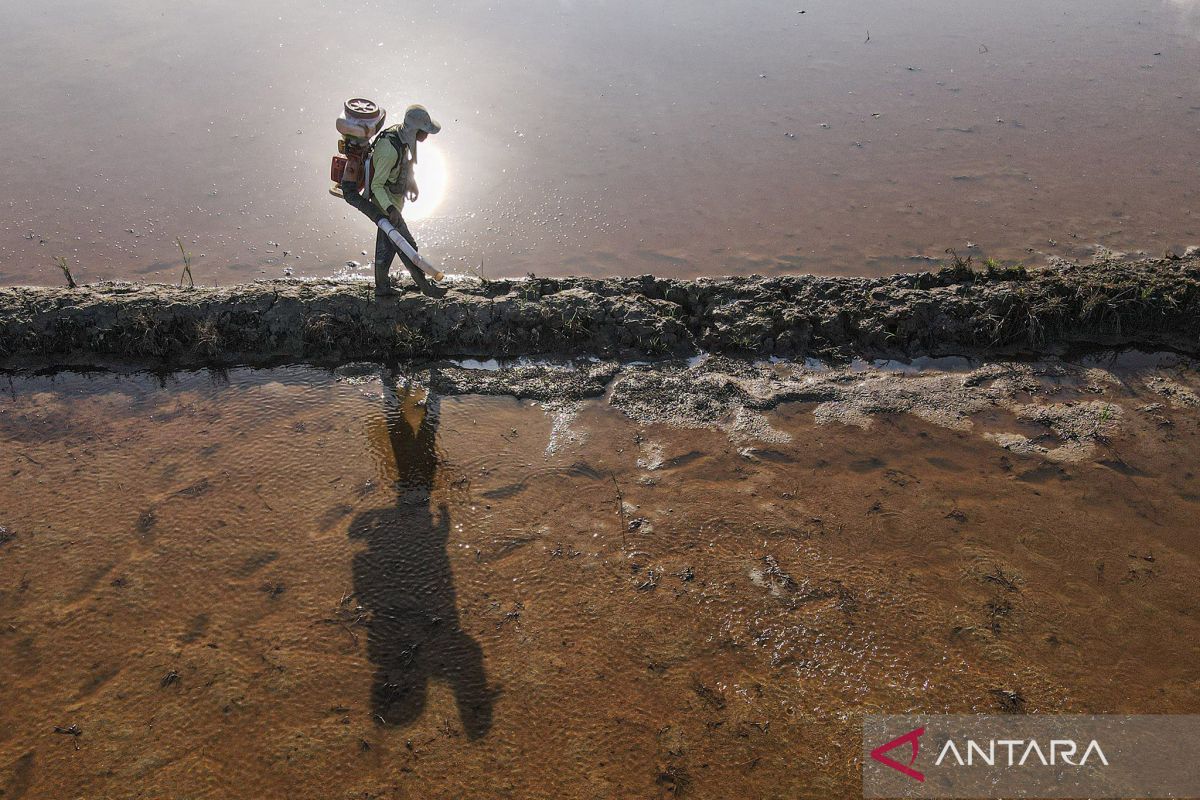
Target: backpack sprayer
<point x="359" y="125"/>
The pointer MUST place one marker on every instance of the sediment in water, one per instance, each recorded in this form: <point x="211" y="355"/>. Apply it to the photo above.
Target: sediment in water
<point x="1151" y="303"/>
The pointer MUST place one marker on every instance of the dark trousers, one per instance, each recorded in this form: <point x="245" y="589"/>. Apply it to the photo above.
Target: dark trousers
<point x="385" y="251"/>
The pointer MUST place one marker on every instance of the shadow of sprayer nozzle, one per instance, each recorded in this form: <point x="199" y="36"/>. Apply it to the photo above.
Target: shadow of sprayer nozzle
<point x="403" y="578"/>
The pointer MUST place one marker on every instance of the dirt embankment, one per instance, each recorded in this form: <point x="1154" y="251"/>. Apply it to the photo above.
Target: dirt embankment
<point x="958" y="310"/>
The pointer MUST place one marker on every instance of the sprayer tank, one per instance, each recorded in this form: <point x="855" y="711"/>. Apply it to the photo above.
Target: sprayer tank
<point x="361" y="119"/>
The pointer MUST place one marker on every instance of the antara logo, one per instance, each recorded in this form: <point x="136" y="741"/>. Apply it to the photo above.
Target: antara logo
<point x="1021" y="752"/>
<point x="913" y="739"/>
<point x="993" y="752"/>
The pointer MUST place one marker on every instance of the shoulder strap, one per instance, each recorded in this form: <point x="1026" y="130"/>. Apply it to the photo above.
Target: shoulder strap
<point x="392" y="133"/>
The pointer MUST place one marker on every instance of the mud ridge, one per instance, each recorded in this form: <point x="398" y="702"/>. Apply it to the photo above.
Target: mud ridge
<point x="1151" y="303"/>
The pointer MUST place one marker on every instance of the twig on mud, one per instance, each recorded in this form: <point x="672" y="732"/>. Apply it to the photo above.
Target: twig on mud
<point x="1006" y="581"/>
<point x="511" y="616"/>
<point x="1107" y="444"/>
<point x="620" y="508"/>
<point x="751" y="764"/>
<point x="264" y="500"/>
<point x="347" y="616"/>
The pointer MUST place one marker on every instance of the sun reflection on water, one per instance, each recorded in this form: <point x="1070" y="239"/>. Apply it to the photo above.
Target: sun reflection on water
<point x="432" y="178"/>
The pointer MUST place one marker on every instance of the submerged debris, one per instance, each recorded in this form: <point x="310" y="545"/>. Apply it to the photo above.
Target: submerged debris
<point x="1010" y="702"/>
<point x="74" y="731"/>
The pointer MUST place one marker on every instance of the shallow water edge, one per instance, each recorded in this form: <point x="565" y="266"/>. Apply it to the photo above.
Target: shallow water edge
<point x="242" y="582"/>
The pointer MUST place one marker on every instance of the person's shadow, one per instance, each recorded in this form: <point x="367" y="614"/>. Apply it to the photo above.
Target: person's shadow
<point x="403" y="576"/>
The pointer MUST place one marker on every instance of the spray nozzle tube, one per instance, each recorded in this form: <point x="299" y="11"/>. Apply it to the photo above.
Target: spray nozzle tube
<point x="408" y="249"/>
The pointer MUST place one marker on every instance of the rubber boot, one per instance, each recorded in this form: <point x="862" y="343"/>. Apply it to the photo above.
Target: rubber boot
<point x="427" y="288"/>
<point x="383" y="284"/>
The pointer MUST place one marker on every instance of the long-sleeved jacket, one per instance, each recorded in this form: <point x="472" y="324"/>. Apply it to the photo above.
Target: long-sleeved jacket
<point x="391" y="170"/>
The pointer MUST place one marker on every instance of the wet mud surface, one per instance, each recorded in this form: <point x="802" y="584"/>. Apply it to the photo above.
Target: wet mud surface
<point x="958" y="310"/>
<point x="339" y="584"/>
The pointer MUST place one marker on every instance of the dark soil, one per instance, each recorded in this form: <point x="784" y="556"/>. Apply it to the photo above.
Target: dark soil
<point x="1153" y="304"/>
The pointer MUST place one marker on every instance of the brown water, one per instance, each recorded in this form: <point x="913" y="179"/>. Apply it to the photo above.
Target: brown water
<point x="279" y="583"/>
<point x="676" y="138"/>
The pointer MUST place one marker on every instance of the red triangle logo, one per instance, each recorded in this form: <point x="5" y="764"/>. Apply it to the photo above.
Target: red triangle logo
<point x="913" y="739"/>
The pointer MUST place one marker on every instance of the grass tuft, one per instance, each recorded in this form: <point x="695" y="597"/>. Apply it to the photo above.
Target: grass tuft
<point x="187" y="265"/>
<point x="66" y="271"/>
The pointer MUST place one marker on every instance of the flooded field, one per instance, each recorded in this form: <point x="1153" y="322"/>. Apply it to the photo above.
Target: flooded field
<point x="292" y="582"/>
<point x="616" y="138"/>
<point x="551" y="570"/>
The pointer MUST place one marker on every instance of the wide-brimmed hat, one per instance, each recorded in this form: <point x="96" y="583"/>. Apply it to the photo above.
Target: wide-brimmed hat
<point x="417" y="118"/>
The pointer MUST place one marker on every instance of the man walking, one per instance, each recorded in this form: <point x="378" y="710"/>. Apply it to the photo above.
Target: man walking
<point x="393" y="159"/>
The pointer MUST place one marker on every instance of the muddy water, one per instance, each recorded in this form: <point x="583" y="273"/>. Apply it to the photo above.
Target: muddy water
<point x="286" y="583"/>
<point x="836" y="137"/>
